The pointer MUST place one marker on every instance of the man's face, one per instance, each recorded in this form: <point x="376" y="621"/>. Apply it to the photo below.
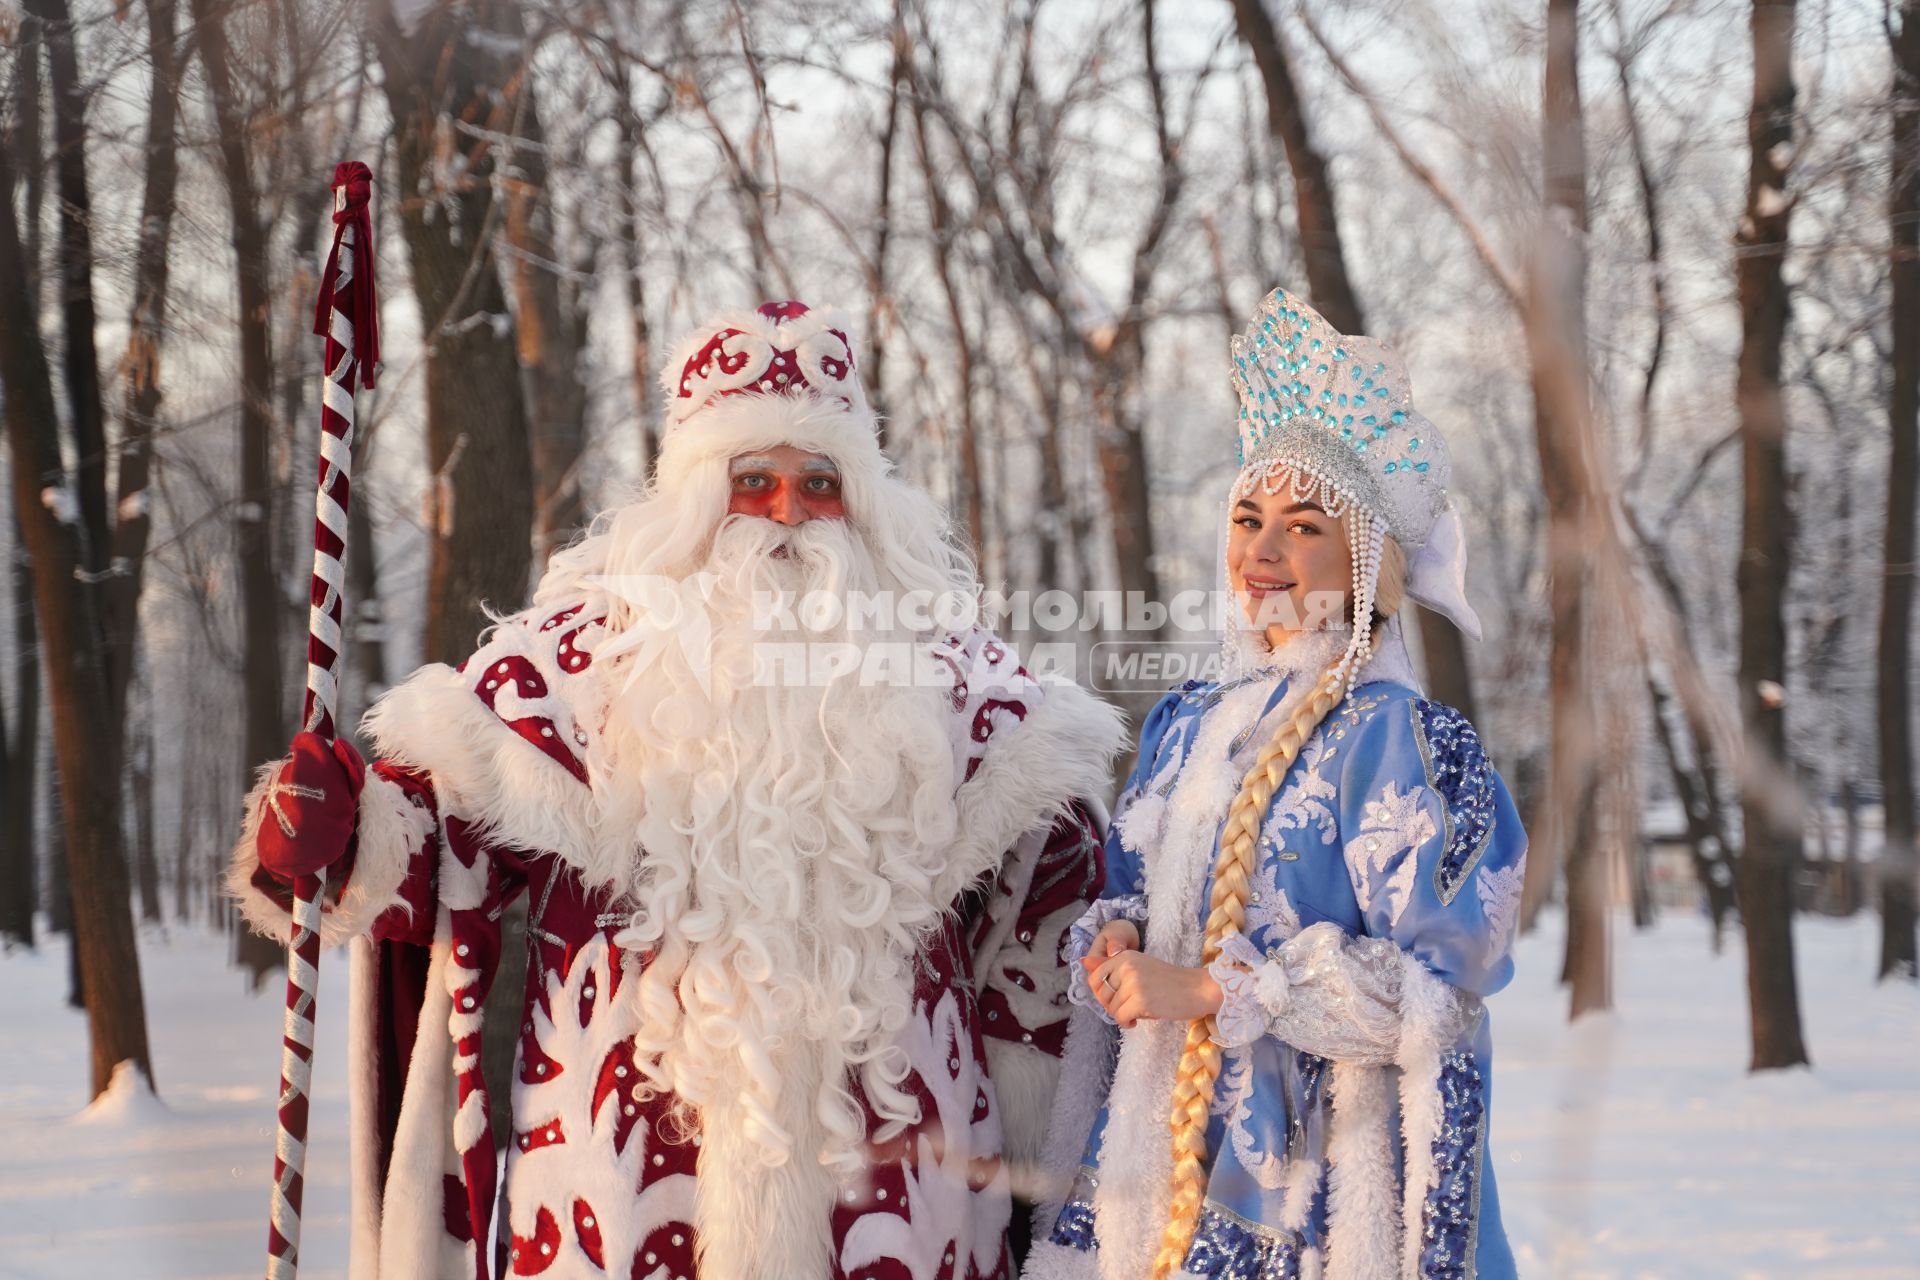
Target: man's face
<point x="785" y="485"/>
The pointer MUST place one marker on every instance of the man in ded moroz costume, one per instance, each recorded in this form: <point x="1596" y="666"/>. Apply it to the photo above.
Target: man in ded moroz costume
<point x="1312" y="882"/>
<point x="794" y="995"/>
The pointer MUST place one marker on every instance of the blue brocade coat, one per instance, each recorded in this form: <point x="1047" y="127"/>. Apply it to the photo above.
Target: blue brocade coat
<point x="1349" y="1130"/>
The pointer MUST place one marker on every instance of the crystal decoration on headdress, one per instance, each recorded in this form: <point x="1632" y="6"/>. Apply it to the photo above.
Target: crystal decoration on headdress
<point x="1332" y="415"/>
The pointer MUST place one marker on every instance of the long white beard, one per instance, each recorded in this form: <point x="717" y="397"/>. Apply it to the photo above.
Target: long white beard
<point x="790" y="835"/>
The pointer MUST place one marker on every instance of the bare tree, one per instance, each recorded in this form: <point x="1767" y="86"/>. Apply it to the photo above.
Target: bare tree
<point x="19" y="781"/>
<point x="439" y="78"/>
<point x="85" y="745"/>
<point x="1557" y="350"/>
<point x="1320" y="244"/>
<point x="944" y="232"/>
<point x="140" y="367"/>
<point x="1329" y="284"/>
<point x="1768" y="791"/>
<point x="550" y="321"/>
<point x="1895" y="696"/>
<point x="261" y="606"/>
<point x="880" y="285"/>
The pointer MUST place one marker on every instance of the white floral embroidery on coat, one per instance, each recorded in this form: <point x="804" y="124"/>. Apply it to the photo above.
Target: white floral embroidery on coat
<point x="1499" y="890"/>
<point x="1381" y="857"/>
<point x="1306" y="801"/>
<point x="951" y="1226"/>
<point x="1233" y="1099"/>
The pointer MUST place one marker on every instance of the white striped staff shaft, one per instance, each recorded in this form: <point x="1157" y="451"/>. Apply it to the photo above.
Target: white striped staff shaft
<point x="346" y="301"/>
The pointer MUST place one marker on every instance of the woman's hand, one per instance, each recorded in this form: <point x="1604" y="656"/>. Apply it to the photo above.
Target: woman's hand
<point x="1114" y="937"/>
<point x="1132" y="985"/>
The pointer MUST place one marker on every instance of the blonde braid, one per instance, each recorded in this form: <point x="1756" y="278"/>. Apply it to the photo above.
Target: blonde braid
<point x="1227" y="911"/>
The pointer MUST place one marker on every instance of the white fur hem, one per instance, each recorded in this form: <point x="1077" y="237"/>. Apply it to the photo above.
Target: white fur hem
<point x="1024" y="1079"/>
<point x="1362" y="1223"/>
<point x="1429" y="1023"/>
<point x="390" y="829"/>
<point x="1050" y="1261"/>
<point x="363" y="1091"/>
<point x="1084" y="1069"/>
<point x="413" y="1236"/>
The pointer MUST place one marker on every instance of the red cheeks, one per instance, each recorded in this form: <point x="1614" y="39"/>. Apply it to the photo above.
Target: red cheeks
<point x="787" y="497"/>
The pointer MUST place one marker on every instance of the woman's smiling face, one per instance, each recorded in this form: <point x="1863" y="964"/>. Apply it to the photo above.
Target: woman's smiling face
<point x="1288" y="563"/>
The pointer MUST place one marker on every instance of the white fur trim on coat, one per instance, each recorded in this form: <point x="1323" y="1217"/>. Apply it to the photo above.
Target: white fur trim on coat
<point x="1084" y="1070"/>
<point x="413" y="1234"/>
<point x="390" y="831"/>
<point x="1063" y="751"/>
<point x="1430" y="1024"/>
<point x="1024" y="1079"/>
<point x="363" y="1096"/>
<point x="1050" y="1261"/>
<point x="1363" y="1238"/>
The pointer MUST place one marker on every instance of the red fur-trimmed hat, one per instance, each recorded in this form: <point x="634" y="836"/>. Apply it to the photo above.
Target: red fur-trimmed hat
<point x="781" y="349"/>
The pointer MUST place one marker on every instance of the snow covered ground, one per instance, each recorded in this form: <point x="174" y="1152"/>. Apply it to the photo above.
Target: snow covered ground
<point x="1629" y="1146"/>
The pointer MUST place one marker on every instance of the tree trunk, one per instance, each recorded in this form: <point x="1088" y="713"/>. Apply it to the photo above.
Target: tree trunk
<point x="941" y="227"/>
<point x="1327" y="281"/>
<point x="84" y="744"/>
<point x="266" y="732"/>
<point x="19" y="788"/>
<point x="146" y="328"/>
<point x="1330" y="286"/>
<point x="24" y="141"/>
<point x="368" y="635"/>
<point x="639" y="334"/>
<point x="1555" y="314"/>
<point x="551" y="326"/>
<point x="146" y="864"/>
<point x="1768" y="803"/>
<point x="1449" y="673"/>
<point x="1706" y="840"/>
<point x="1895" y="695"/>
<point x="19" y="894"/>
<point x="478" y="452"/>
<point x="880" y="307"/>
<point x="265" y="725"/>
<point x="82" y="361"/>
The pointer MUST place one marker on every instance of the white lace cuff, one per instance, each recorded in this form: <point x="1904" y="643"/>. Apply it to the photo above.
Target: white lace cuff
<point x="1080" y="936"/>
<point x="1250" y="986"/>
<point x="1324" y="992"/>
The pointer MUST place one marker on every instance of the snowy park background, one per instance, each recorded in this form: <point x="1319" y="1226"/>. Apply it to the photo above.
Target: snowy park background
<point x="1654" y="266"/>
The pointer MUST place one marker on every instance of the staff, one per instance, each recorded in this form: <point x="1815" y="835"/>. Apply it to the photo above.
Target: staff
<point x="346" y="313"/>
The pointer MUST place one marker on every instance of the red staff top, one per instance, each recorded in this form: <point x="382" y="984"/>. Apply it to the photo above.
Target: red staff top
<point x="352" y="185"/>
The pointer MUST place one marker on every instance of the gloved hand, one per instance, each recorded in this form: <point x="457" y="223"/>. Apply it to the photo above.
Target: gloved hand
<point x="311" y="806"/>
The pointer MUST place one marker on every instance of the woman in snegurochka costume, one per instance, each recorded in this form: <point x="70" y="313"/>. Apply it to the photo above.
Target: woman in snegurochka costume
<point x="1312" y="882"/>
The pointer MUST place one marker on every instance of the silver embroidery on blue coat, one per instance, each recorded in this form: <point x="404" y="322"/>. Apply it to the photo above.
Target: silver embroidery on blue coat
<point x="1450" y="1222"/>
<point x="1227" y="1248"/>
<point x="1458" y="772"/>
<point x="1232" y="1100"/>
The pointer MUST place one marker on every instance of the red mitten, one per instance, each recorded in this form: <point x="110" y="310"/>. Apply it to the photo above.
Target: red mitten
<point x="310" y="808"/>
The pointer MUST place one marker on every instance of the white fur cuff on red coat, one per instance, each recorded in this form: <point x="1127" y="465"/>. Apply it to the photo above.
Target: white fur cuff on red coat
<point x="390" y="829"/>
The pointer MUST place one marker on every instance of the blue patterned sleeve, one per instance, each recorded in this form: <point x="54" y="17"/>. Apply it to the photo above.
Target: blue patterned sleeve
<point x="1433" y="843"/>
